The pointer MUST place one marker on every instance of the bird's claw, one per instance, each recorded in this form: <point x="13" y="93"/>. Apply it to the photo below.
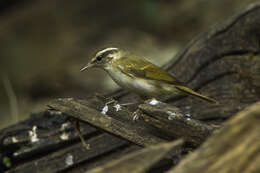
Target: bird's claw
<point x="136" y="115"/>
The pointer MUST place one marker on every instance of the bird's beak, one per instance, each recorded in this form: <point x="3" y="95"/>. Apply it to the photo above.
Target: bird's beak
<point x="89" y="65"/>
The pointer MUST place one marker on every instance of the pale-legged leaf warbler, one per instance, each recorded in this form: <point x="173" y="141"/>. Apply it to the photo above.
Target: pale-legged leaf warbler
<point x="139" y="75"/>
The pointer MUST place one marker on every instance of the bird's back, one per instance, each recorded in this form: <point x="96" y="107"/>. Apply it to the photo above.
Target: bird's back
<point x="146" y="78"/>
<point x="142" y="68"/>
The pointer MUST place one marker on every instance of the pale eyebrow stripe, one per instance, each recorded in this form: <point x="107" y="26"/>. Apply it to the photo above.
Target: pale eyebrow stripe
<point x="107" y="52"/>
<point x="111" y="48"/>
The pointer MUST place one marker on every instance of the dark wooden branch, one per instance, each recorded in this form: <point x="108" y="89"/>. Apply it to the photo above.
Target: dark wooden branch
<point x="71" y="156"/>
<point x="46" y="140"/>
<point x="170" y="120"/>
<point x="160" y="117"/>
<point x="103" y="159"/>
<point x="131" y="131"/>
<point x="234" y="148"/>
<point x="137" y="161"/>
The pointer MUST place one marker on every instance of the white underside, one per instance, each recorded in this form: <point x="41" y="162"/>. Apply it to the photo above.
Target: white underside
<point x="142" y="86"/>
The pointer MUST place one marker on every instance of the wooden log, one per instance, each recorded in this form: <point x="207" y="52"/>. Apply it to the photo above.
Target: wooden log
<point x="33" y="136"/>
<point x="158" y="118"/>
<point x="68" y="157"/>
<point x="131" y="131"/>
<point x="171" y="120"/>
<point x="234" y="148"/>
<point x="56" y="142"/>
<point x="105" y="158"/>
<point x="138" y="161"/>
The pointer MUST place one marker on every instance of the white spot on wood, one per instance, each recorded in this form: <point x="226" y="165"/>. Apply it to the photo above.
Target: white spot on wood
<point x="14" y="140"/>
<point x="53" y="112"/>
<point x="104" y="110"/>
<point x="64" y="126"/>
<point x="69" y="160"/>
<point x="171" y="115"/>
<point x="33" y="135"/>
<point x="187" y="115"/>
<point x="117" y="107"/>
<point x="64" y="136"/>
<point x="153" y="102"/>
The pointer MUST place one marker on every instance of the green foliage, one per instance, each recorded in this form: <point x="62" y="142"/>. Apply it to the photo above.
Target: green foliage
<point x="7" y="162"/>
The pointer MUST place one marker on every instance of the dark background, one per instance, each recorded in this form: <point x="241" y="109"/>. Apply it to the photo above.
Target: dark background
<point x="44" y="43"/>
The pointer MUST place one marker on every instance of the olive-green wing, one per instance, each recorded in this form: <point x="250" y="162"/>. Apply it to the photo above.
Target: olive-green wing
<point x="141" y="68"/>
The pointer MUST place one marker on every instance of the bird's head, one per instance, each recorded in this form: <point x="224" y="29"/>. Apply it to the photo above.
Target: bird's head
<point x="103" y="58"/>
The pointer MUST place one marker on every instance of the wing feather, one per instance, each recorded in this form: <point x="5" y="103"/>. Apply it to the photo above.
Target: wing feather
<point x="137" y="67"/>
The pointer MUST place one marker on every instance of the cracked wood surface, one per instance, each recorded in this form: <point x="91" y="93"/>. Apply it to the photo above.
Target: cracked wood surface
<point x="137" y="161"/>
<point x="145" y="131"/>
<point x="234" y="148"/>
<point x="132" y="131"/>
<point x="171" y="121"/>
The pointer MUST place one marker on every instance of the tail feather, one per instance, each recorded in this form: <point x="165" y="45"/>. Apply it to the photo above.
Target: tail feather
<point x="191" y="92"/>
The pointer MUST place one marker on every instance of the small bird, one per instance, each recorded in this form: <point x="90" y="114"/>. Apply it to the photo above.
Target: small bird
<point x="139" y="75"/>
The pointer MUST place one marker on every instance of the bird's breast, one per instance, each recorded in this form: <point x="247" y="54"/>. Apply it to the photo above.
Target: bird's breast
<point x="139" y="85"/>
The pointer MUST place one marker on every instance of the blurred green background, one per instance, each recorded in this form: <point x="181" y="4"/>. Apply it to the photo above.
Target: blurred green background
<point x="44" y="43"/>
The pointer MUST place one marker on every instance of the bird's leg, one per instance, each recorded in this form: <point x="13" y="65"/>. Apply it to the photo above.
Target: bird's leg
<point x="105" y="108"/>
<point x="110" y="102"/>
<point x="137" y="114"/>
<point x="77" y="129"/>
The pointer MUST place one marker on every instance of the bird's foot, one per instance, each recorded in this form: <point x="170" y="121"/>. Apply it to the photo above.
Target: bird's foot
<point x="77" y="129"/>
<point x="137" y="114"/>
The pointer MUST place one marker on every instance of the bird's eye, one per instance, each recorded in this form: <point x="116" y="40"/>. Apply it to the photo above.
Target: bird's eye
<point x="99" y="58"/>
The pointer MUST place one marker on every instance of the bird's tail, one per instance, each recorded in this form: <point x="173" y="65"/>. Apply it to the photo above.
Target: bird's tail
<point x="191" y="92"/>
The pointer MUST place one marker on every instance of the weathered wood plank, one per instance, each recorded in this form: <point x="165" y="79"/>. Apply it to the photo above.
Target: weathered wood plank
<point x="234" y="148"/>
<point x="130" y="131"/>
<point x="138" y="161"/>
<point x="63" y="159"/>
<point x="50" y="135"/>
<point x="171" y="120"/>
<point x="104" y="159"/>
